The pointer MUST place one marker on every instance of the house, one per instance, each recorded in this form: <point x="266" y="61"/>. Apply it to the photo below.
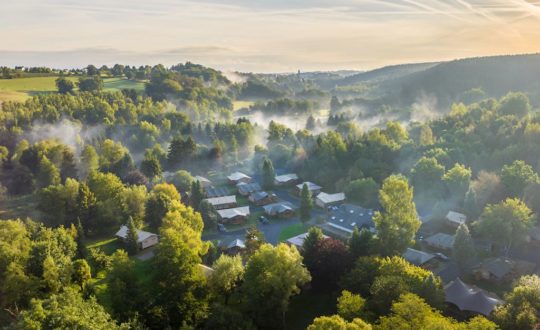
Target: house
<point x="325" y="200"/>
<point x="469" y="298"/>
<point x="238" y="177"/>
<point x="235" y="215"/>
<point x="298" y="240"/>
<point x="312" y="187"/>
<point x="245" y="189"/>
<point x="281" y="209"/>
<point x="262" y="198"/>
<point x="455" y="219"/>
<point x="144" y="239"/>
<point x="232" y="247"/>
<point x="212" y="191"/>
<point x="342" y="220"/>
<point x="203" y="181"/>
<point x="417" y="257"/>
<point x="502" y="269"/>
<point x="440" y="241"/>
<point x="224" y="202"/>
<point x="285" y="179"/>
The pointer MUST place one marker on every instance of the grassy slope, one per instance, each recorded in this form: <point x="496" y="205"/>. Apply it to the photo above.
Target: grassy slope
<point x="291" y="231"/>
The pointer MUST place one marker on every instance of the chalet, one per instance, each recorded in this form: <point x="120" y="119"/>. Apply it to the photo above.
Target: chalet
<point x="298" y="240"/>
<point x="342" y="220"/>
<point x="285" y="179"/>
<point x="325" y="200"/>
<point x="238" y="177"/>
<point x="440" y="241"/>
<point x="262" y="198"/>
<point x="469" y="298"/>
<point x="144" y="239"/>
<point x="281" y="209"/>
<point x="203" y="181"/>
<point x="502" y="269"/>
<point x="417" y="257"/>
<point x="223" y="202"/>
<point x="235" y="215"/>
<point x="233" y="247"/>
<point x="312" y="187"/>
<point x="245" y="189"/>
<point x="455" y="219"/>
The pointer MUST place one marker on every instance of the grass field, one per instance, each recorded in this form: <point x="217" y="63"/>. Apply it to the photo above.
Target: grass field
<point x="20" y="89"/>
<point x="291" y="231"/>
<point x="241" y="104"/>
<point x="19" y="207"/>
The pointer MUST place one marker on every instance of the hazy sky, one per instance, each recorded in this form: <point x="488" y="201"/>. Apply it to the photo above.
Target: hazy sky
<point x="257" y="35"/>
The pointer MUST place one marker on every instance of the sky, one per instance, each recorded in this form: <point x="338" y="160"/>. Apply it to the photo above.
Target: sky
<point x="263" y="35"/>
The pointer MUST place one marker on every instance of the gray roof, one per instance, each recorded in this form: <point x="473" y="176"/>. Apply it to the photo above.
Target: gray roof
<point x="212" y="192"/>
<point x="286" y="178"/>
<point x="441" y="240"/>
<point x="221" y="200"/>
<point x="259" y="195"/>
<point x="417" y="257"/>
<point x="278" y="208"/>
<point x="141" y="234"/>
<point x="468" y="298"/>
<point x="202" y="179"/>
<point x="311" y="186"/>
<point x="236" y="243"/>
<point x="348" y="216"/>
<point x="238" y="176"/>
<point x="248" y="188"/>
<point x="455" y="217"/>
<point x="498" y="267"/>
<point x="234" y="212"/>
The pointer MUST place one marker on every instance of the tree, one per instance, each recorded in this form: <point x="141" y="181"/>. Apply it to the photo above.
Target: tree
<point x="159" y="202"/>
<point x="515" y="104"/>
<point x="254" y="240"/>
<point x="306" y="204"/>
<point x="123" y="286"/>
<point x="310" y="123"/>
<point x="64" y="85"/>
<point x="336" y="322"/>
<point x="426" y="176"/>
<point x="209" y="214"/>
<point x="463" y="248"/>
<point x="51" y="275"/>
<point x="182" y="180"/>
<point x="521" y="305"/>
<point x="197" y="194"/>
<point x="47" y="174"/>
<point x="361" y="243"/>
<point x="227" y="275"/>
<point x="150" y="166"/>
<point x="89" y="161"/>
<point x="273" y="275"/>
<point x="506" y="223"/>
<point x="81" y="273"/>
<point x="314" y="236"/>
<point x="363" y="191"/>
<point x="90" y="84"/>
<point x="268" y="174"/>
<point x="457" y="181"/>
<point x="86" y="208"/>
<point x="516" y="176"/>
<point x="327" y="262"/>
<point x="132" y="237"/>
<point x="397" y="223"/>
<point x="350" y="306"/>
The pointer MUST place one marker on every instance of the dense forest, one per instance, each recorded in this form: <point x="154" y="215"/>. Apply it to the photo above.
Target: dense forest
<point x="89" y="175"/>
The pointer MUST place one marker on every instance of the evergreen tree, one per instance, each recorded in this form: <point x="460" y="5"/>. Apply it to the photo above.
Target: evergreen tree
<point x="310" y="123"/>
<point x="463" y="248"/>
<point x="268" y="174"/>
<point x="361" y="243"/>
<point x="150" y="166"/>
<point x="197" y="194"/>
<point x="81" y="248"/>
<point x="306" y="204"/>
<point x="47" y="174"/>
<point x="132" y="237"/>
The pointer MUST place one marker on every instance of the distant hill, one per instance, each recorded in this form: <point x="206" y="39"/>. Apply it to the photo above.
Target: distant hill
<point x="385" y="73"/>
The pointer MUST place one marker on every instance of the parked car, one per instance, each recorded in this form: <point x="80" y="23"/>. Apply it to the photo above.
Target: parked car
<point x="263" y="220"/>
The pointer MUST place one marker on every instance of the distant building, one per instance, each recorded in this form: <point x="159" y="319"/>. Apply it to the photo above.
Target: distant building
<point x="324" y="200"/>
<point x="342" y="220"/>
<point x="235" y="215"/>
<point x="440" y="241"/>
<point x="238" y="177"/>
<point x="312" y="187"/>
<point x="298" y="240"/>
<point x="417" y="257"/>
<point x="245" y="189"/>
<point x="502" y="269"/>
<point x="212" y="191"/>
<point x="232" y="247"/>
<point x="203" y="181"/>
<point x="262" y="198"/>
<point x="469" y="298"/>
<point x="455" y="219"/>
<point x="281" y="209"/>
<point x="223" y="202"/>
<point x="144" y="239"/>
<point x="285" y="179"/>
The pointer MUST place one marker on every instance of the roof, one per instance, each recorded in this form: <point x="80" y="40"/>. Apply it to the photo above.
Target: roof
<point x="498" y="267"/>
<point x="417" y="257"/>
<point x="221" y="200"/>
<point x="212" y="192"/>
<point x="298" y="240"/>
<point x="248" y="188"/>
<point x="348" y="216"/>
<point x="238" y="176"/>
<point x="441" y="240"/>
<point x="141" y="234"/>
<point x="286" y="178"/>
<point x="331" y="198"/>
<point x="202" y="179"/>
<point x="277" y="208"/>
<point x="469" y="298"/>
<point x="236" y="243"/>
<point x="259" y="195"/>
<point x="456" y="217"/>
<point x="311" y="186"/>
<point x="231" y="213"/>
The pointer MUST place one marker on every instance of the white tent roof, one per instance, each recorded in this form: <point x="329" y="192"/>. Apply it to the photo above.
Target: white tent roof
<point x="331" y="198"/>
<point x="456" y="217"/>
<point x="142" y="235"/>
<point x="286" y="177"/>
<point x="238" y="176"/>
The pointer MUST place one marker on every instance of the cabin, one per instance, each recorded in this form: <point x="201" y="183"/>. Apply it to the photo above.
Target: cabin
<point x="237" y="177"/>
<point x="440" y="241"/>
<point x="454" y="219"/>
<point x="203" y="181"/>
<point x="286" y="179"/>
<point x="224" y="202"/>
<point x="312" y="187"/>
<point x="325" y="200"/>
<point x="261" y="198"/>
<point x="469" y="298"/>
<point x="233" y="247"/>
<point x="419" y="258"/>
<point x="245" y="189"/>
<point x="144" y="239"/>
<point x="235" y="215"/>
<point x="281" y="209"/>
<point x="502" y="269"/>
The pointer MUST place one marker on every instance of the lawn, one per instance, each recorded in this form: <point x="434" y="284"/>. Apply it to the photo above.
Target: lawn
<point x="292" y="231"/>
<point x="117" y="84"/>
<point x="19" y="207"/>
<point x="320" y="303"/>
<point x="237" y="105"/>
<point x="107" y="244"/>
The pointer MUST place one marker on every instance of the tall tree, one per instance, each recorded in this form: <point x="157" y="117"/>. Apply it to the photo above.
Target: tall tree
<point x="521" y="305"/>
<point x="227" y="275"/>
<point x="398" y="222"/>
<point x="132" y="237"/>
<point x="123" y="286"/>
<point x="64" y="85"/>
<point x="516" y="176"/>
<point x="254" y="240"/>
<point x="306" y="204"/>
<point x="463" y="249"/>
<point x="197" y="194"/>
<point x="268" y="173"/>
<point x="47" y="173"/>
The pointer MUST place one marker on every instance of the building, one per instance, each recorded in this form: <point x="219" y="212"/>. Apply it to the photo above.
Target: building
<point x="312" y="187"/>
<point x="325" y="200"/>
<point x="469" y="298"/>
<point x="502" y="269"/>
<point x="238" y="177"/>
<point x="455" y="219"/>
<point x="232" y="247"/>
<point x="245" y="189"/>
<point x="298" y="240"/>
<point x="417" y="257"/>
<point x="440" y="241"/>
<point x="224" y="202"/>
<point x="235" y="215"/>
<point x="342" y="220"/>
<point x="261" y="198"/>
<point x="281" y="209"/>
<point x="212" y="191"/>
<point x="144" y="239"/>
<point x="285" y="179"/>
<point x="203" y="181"/>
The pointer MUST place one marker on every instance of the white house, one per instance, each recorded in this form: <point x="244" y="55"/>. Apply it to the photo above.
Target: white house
<point x="324" y="200"/>
<point x="145" y="239"/>
<point x="223" y="202"/>
<point x="235" y="215"/>
<point x="281" y="180"/>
